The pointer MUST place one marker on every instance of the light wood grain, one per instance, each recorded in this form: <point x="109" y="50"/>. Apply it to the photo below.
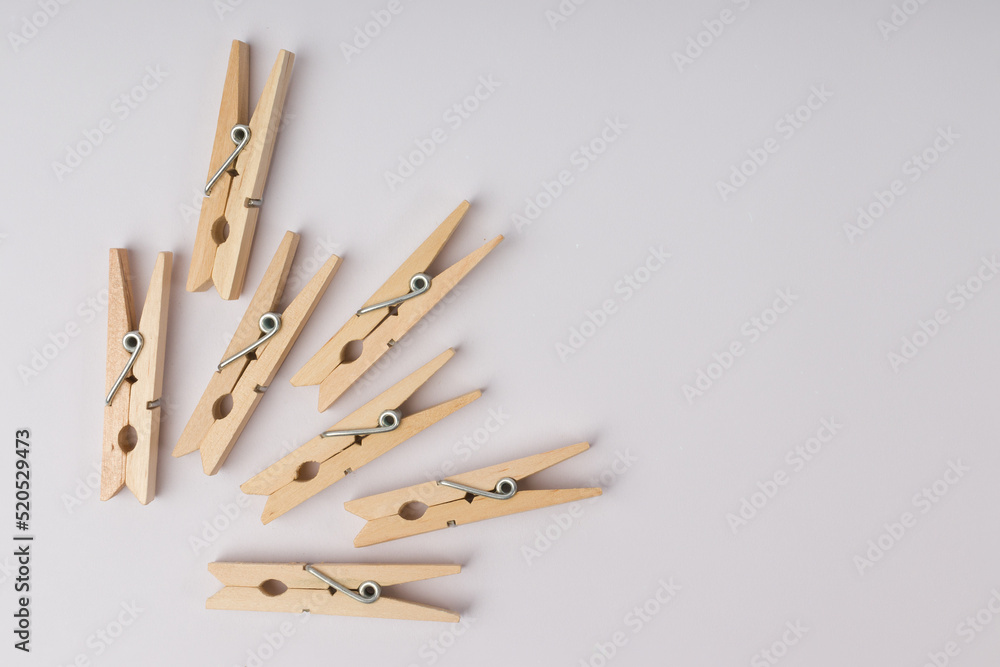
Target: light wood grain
<point x="218" y="441"/>
<point x="329" y="356"/>
<point x="354" y="457"/>
<point x="264" y="300"/>
<point x="294" y="575"/>
<point x="320" y="449"/>
<point x="392" y="329"/>
<point x="307" y="593"/>
<point x="144" y="408"/>
<point x="447" y="506"/>
<point x="121" y="320"/>
<point x="459" y="512"/>
<point x="296" y="601"/>
<point x="432" y="493"/>
<point x="234" y="110"/>
<point x="224" y="263"/>
<point x="252" y="166"/>
<point x="136" y="403"/>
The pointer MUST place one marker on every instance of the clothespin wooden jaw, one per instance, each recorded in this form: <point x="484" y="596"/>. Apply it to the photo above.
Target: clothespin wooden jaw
<point x="473" y="496"/>
<point x="326" y="588"/>
<point x="354" y="441"/>
<point x="134" y="379"/>
<point x="253" y="358"/>
<point x="241" y="157"/>
<point x="389" y="314"/>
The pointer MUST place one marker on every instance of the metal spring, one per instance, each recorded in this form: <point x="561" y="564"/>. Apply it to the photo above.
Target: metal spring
<point x="374" y="590"/>
<point x="419" y="284"/>
<point x="269" y="324"/>
<point x="387" y="421"/>
<point x="505" y="489"/>
<point x="240" y="134"/>
<point x="132" y="341"/>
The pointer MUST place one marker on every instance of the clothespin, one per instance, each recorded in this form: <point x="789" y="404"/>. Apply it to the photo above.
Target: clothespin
<point x="134" y="379"/>
<point x="326" y="588"/>
<point x="473" y="496"/>
<point x="408" y="295"/>
<point x="261" y="342"/>
<point x="241" y="156"/>
<point x="359" y="438"/>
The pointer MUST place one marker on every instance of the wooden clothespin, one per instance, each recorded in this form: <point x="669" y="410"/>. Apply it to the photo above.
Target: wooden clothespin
<point x="326" y="588"/>
<point x="261" y="342"/>
<point x="392" y="311"/>
<point x="350" y="443"/>
<point x="134" y="379"/>
<point x="236" y="176"/>
<point x="473" y="496"/>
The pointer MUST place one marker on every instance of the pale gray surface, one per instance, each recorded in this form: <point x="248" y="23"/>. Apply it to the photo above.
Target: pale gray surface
<point x="665" y="516"/>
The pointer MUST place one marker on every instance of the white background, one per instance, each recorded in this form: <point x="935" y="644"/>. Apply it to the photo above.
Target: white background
<point x="695" y="461"/>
